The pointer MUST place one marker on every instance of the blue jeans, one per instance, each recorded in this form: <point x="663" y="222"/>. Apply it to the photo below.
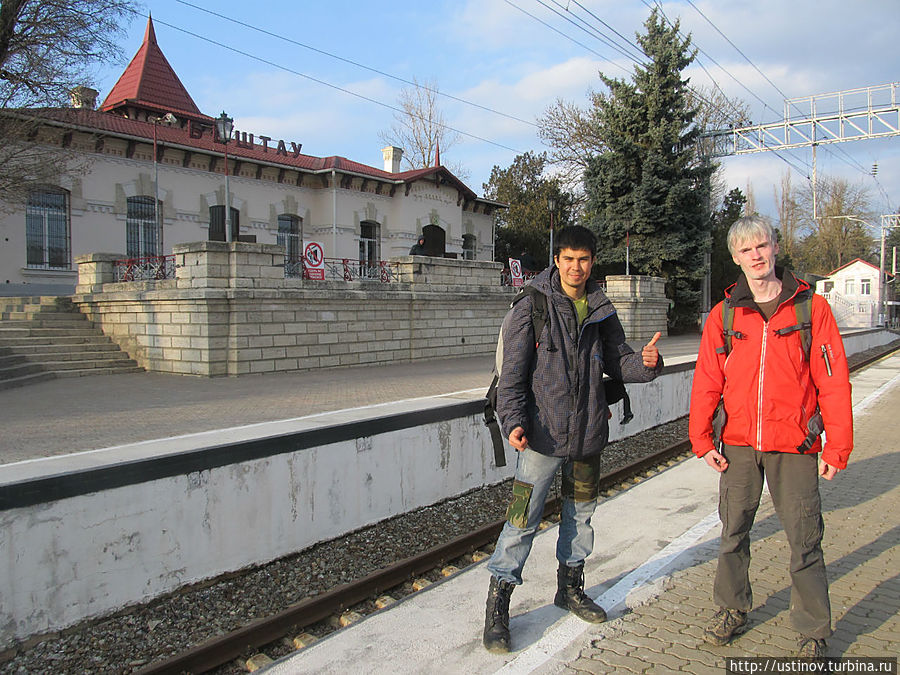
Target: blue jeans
<point x="534" y="476"/>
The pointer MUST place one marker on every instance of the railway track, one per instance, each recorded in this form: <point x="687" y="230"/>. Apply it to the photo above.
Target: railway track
<point x="285" y="630"/>
<point x="288" y="625"/>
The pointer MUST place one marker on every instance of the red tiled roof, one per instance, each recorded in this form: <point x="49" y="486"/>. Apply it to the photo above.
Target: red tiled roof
<point x="150" y="82"/>
<point x="99" y="122"/>
<point x="855" y="260"/>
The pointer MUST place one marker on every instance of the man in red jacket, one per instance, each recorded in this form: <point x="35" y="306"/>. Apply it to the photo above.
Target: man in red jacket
<point x="771" y="388"/>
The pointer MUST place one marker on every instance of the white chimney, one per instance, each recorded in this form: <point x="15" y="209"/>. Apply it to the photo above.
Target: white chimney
<point x="84" y="97"/>
<point x="392" y="156"/>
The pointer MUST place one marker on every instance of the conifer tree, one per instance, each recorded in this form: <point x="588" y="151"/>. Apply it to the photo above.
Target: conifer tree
<point x="650" y="182"/>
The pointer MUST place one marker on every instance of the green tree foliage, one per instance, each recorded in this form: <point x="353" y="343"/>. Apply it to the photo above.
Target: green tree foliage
<point x="723" y="271"/>
<point x="649" y="182"/>
<point x="525" y="225"/>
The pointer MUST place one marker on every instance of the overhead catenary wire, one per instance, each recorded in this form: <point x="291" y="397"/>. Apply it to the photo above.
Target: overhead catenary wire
<point x="330" y="85"/>
<point x="372" y="69"/>
<point x="849" y="159"/>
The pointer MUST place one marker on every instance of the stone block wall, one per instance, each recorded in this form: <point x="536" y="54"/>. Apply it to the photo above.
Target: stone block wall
<point x="230" y="311"/>
<point x="443" y="273"/>
<point x="641" y="304"/>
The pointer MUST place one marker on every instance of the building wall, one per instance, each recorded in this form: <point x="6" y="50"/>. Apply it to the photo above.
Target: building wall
<point x="99" y="208"/>
<point x="230" y="311"/>
<point x="854" y="309"/>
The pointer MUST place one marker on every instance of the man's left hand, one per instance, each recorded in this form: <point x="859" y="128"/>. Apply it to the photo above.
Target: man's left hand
<point x="650" y="353"/>
<point x="826" y="470"/>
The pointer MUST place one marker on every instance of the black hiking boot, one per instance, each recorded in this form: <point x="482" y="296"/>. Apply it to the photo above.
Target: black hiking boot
<point x="496" y="616"/>
<point x="570" y="595"/>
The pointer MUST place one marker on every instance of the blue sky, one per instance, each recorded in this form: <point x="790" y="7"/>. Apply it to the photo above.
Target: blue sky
<point x="494" y="54"/>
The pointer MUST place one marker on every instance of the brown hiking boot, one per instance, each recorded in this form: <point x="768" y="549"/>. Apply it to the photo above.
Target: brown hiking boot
<point x="724" y="625"/>
<point x="812" y="648"/>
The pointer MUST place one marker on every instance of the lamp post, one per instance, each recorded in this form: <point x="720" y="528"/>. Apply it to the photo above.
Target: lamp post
<point x="551" y="204"/>
<point x="168" y="118"/>
<point x="224" y="127"/>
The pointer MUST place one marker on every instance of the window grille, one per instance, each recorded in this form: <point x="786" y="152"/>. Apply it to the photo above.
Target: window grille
<point x="47" y="230"/>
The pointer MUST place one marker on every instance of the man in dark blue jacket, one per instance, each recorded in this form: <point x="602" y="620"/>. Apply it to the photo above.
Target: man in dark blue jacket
<point x="552" y="408"/>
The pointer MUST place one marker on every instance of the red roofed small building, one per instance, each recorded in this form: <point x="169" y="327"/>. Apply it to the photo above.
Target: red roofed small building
<point x="854" y="294"/>
<point x="278" y="194"/>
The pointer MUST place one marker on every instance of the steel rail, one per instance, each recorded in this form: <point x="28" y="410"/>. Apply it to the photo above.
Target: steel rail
<point x="227" y="647"/>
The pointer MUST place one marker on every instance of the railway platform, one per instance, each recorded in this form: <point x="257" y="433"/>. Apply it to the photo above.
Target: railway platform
<point x="62" y="416"/>
<point x="652" y="568"/>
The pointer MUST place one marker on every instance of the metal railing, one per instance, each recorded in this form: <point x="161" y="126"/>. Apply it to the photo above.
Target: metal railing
<point x="506" y="276"/>
<point x="345" y="269"/>
<point x="153" y="268"/>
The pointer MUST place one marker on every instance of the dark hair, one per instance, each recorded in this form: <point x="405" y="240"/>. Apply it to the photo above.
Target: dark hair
<point x="577" y="238"/>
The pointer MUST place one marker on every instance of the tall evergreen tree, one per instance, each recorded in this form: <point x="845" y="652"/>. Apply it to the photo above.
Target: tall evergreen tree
<point x="525" y="225"/>
<point x="650" y="181"/>
<point x="723" y="271"/>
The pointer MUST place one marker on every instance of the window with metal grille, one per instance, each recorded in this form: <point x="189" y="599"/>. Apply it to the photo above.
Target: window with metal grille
<point x="217" y="223"/>
<point x="289" y="236"/>
<point x="142" y="233"/>
<point x="47" y="237"/>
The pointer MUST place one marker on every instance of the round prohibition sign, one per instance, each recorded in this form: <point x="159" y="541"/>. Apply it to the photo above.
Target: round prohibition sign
<point x="314" y="254"/>
<point x="515" y="267"/>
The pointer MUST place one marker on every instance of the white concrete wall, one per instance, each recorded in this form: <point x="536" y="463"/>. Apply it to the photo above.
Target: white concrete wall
<point x="65" y="560"/>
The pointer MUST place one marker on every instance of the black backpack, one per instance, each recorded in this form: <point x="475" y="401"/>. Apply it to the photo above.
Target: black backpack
<point x="614" y="389"/>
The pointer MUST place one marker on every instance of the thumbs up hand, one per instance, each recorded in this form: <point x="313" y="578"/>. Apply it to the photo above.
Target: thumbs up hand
<point x="650" y="352"/>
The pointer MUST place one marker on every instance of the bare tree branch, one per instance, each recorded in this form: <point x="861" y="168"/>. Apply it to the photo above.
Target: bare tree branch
<point x="421" y="128"/>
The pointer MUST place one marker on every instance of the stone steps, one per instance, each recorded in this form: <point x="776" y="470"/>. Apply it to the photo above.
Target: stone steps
<point x="46" y="337"/>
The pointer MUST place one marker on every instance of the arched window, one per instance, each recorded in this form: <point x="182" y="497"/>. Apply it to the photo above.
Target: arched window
<point x="217" y="223"/>
<point x="142" y="232"/>
<point x="290" y="236"/>
<point x="47" y="234"/>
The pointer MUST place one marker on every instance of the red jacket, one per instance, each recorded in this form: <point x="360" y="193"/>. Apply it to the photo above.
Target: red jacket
<point x="770" y="389"/>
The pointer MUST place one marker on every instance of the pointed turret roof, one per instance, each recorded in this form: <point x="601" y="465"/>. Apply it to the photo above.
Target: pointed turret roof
<point x="150" y="83"/>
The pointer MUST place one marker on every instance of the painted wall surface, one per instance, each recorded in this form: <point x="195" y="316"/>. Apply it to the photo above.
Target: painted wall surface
<point x="854" y="295"/>
<point x="66" y="560"/>
<point x="98" y="210"/>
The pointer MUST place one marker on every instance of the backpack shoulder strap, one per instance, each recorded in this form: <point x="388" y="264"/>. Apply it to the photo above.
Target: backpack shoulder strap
<point x="803" y="317"/>
<point x="539" y="310"/>
<point x="539" y="317"/>
<point x="727" y="327"/>
<point x="803" y="314"/>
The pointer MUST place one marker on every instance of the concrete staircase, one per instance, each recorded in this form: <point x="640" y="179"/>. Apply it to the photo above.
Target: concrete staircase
<point x="43" y="337"/>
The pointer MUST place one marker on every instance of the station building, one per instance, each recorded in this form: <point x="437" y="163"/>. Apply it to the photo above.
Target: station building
<point x="154" y="172"/>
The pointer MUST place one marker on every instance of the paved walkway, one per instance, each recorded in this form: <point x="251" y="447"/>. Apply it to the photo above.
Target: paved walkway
<point x="73" y="414"/>
<point x="654" y="561"/>
<point x="862" y="547"/>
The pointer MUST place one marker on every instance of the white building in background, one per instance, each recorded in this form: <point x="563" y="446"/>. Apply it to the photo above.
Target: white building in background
<point x="277" y="194"/>
<point x="854" y="294"/>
